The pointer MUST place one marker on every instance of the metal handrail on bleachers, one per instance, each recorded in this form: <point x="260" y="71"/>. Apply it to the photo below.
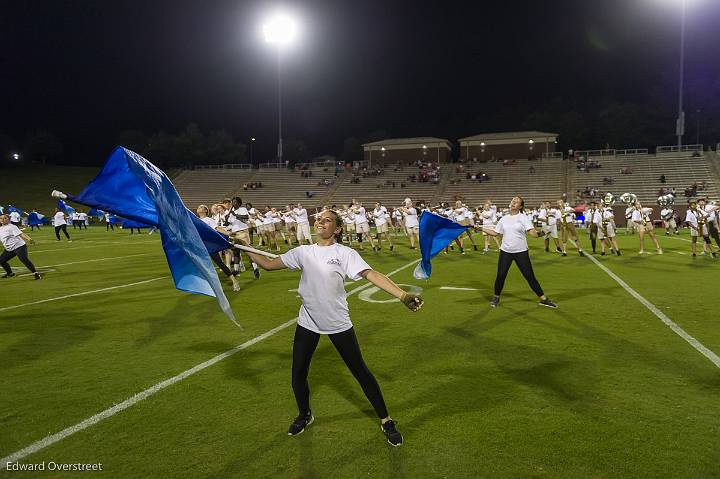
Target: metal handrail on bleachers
<point x="679" y="149"/>
<point x="225" y="166"/>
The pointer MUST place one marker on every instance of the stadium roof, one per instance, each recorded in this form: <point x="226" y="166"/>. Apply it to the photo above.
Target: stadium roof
<point x="409" y="142"/>
<point x="510" y="135"/>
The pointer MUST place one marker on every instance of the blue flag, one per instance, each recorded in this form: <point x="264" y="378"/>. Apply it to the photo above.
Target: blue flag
<point x="14" y="209"/>
<point x="35" y="219"/>
<point x="436" y="233"/>
<point x="133" y="224"/>
<point x="96" y="212"/>
<point x="64" y="207"/>
<point x="131" y="187"/>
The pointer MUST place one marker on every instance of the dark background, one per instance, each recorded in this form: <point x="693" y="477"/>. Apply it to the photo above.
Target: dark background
<point x="79" y="77"/>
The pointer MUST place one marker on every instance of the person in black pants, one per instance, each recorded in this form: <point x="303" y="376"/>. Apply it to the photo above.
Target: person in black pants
<point x="513" y="227"/>
<point x="14" y="242"/>
<point x="324" y="310"/>
<point x="60" y="223"/>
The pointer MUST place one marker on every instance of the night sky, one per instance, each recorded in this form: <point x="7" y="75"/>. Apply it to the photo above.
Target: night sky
<point x="86" y="70"/>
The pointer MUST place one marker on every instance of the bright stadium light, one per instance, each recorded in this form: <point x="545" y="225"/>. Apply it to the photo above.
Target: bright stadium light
<point x="281" y="30"/>
<point x="16" y="156"/>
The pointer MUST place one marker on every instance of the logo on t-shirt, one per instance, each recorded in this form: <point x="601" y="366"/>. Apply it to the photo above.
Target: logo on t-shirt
<point x="335" y="261"/>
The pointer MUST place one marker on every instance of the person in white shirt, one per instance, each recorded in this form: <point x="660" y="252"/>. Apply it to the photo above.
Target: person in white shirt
<point x="667" y="215"/>
<point x="290" y="224"/>
<point x="362" y="227"/>
<point x="630" y="224"/>
<point x="643" y="223"/>
<point x="82" y="219"/>
<point x="60" y="224"/>
<point x="412" y="223"/>
<point x="712" y="213"/>
<point x="108" y="225"/>
<point x="15" y="243"/>
<point x="324" y="310"/>
<point x="396" y="222"/>
<point x="567" y="227"/>
<point x="606" y="231"/>
<point x="513" y="228"/>
<point x="488" y="216"/>
<point x="547" y="216"/>
<point x="202" y="213"/>
<point x="380" y="213"/>
<point x="303" y="224"/>
<point x="592" y="220"/>
<point x="463" y="216"/>
<point x="15" y="218"/>
<point x="696" y="218"/>
<point x="349" y="223"/>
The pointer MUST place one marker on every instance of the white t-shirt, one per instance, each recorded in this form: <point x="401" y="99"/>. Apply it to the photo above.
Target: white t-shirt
<point x="59" y="219"/>
<point x="513" y="229"/>
<point x="236" y="224"/>
<point x="380" y="216"/>
<point x="301" y="215"/>
<point x="82" y="216"/>
<point x="241" y="211"/>
<point x="411" y="218"/>
<point x="692" y="217"/>
<point x="360" y="216"/>
<point x="15" y="217"/>
<point x="212" y="223"/>
<point x="593" y="216"/>
<point x="10" y="236"/>
<point x="488" y="217"/>
<point x="324" y="308"/>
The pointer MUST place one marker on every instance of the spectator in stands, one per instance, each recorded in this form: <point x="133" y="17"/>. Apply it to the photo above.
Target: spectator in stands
<point x="531" y="170"/>
<point x="663" y="179"/>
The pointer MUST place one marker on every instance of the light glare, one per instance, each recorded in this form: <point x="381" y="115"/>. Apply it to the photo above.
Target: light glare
<point x="280" y="29"/>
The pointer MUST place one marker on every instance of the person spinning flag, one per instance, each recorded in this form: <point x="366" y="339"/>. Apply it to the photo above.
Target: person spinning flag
<point x="324" y="310"/>
<point x="14" y="242"/>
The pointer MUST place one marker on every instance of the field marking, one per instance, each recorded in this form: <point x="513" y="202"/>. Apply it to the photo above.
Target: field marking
<point x="59" y="436"/>
<point x="7" y="308"/>
<point x="77" y="247"/>
<point x="99" y="259"/>
<point x="451" y="288"/>
<point x="653" y="309"/>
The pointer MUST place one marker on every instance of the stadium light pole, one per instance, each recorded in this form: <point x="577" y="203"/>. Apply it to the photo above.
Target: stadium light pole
<point x="252" y="141"/>
<point x="280" y="30"/>
<point x="680" y="122"/>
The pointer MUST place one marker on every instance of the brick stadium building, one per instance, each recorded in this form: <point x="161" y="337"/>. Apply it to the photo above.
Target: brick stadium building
<point x="514" y="144"/>
<point x="407" y="150"/>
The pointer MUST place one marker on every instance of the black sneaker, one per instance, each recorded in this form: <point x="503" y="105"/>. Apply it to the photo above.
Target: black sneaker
<point x="547" y="303"/>
<point x="8" y="275"/>
<point x="582" y="253"/>
<point x="300" y="423"/>
<point x="495" y="301"/>
<point x="256" y="272"/>
<point x="618" y="252"/>
<point x="392" y="247"/>
<point x="475" y="247"/>
<point x="394" y="438"/>
<point x="37" y="276"/>
<point x="547" y="250"/>
<point x="564" y="254"/>
<point x="602" y="253"/>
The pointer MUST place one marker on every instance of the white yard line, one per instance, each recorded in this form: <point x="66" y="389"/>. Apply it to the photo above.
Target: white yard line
<point x="7" y="308"/>
<point x="94" y="260"/>
<point x="32" y="251"/>
<point x="653" y="309"/>
<point x="59" y="436"/>
<point x="451" y="288"/>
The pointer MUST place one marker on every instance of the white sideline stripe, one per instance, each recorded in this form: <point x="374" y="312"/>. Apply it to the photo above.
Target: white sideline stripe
<point x="7" y="308"/>
<point x="77" y="247"/>
<point x="59" y="436"/>
<point x="451" y="288"/>
<point x="653" y="309"/>
<point x="94" y="260"/>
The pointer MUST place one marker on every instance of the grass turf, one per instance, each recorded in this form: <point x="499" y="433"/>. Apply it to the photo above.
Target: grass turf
<point x="598" y="388"/>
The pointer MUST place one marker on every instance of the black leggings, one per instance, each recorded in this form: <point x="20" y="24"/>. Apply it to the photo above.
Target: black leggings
<point x="346" y="344"/>
<point x="523" y="261"/>
<point x="22" y="255"/>
<point x="64" y="230"/>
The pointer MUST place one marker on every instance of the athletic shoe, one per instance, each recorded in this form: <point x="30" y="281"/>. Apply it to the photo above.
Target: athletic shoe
<point x="242" y="267"/>
<point x="618" y="252"/>
<point x="582" y="253"/>
<point x="392" y="247"/>
<point x="659" y="251"/>
<point x="558" y="249"/>
<point x="394" y="438"/>
<point x="300" y="423"/>
<point x="495" y="301"/>
<point x="547" y="250"/>
<point x="8" y="275"/>
<point x="37" y="276"/>
<point x="475" y="247"/>
<point x="547" y="303"/>
<point x="602" y="254"/>
<point x="69" y="241"/>
<point x="693" y="257"/>
<point x="256" y="272"/>
<point x="564" y="254"/>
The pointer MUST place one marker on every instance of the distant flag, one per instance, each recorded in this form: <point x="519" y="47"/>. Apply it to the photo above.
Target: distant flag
<point x="35" y="219"/>
<point x="96" y="213"/>
<point x="436" y="233"/>
<point x="131" y="187"/>
<point x="133" y="224"/>
<point x="13" y="209"/>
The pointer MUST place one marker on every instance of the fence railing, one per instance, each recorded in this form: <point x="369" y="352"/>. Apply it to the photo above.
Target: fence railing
<point x="591" y="153"/>
<point x="226" y="166"/>
<point x="272" y="165"/>
<point x="558" y="155"/>
<point x="679" y="149"/>
<point x="632" y="152"/>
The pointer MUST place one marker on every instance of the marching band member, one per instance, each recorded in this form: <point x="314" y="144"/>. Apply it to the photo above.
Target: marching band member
<point x="348" y="224"/>
<point x="269" y="228"/>
<point x="488" y="216"/>
<point x="412" y="223"/>
<point x="303" y="224"/>
<point x="643" y="223"/>
<point x="696" y="218"/>
<point x="606" y="231"/>
<point x="630" y="224"/>
<point x="592" y="219"/>
<point x="202" y="213"/>
<point x="463" y="216"/>
<point x="397" y="222"/>
<point x="362" y="227"/>
<point x="381" y="216"/>
<point x="667" y="215"/>
<point x="513" y="228"/>
<point x="547" y="216"/>
<point x="713" y="223"/>
<point x="324" y="310"/>
<point x="567" y="227"/>
<point x="290" y="225"/>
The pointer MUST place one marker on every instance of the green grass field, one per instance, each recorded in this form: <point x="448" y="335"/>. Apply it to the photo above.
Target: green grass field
<point x="598" y="388"/>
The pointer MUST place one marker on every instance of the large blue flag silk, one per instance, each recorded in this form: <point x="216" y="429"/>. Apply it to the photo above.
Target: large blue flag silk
<point x="131" y="187"/>
<point x="436" y="233"/>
